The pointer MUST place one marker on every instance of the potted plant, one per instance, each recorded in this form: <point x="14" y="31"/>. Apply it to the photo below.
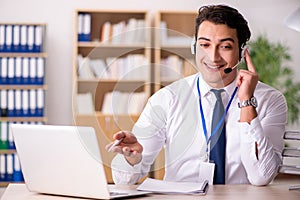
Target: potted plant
<point x="271" y="61"/>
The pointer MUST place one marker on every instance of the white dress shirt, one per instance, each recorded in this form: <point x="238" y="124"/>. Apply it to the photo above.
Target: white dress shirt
<point x="171" y="120"/>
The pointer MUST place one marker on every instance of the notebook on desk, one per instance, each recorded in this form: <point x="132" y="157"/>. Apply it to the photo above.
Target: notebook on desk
<point x="63" y="160"/>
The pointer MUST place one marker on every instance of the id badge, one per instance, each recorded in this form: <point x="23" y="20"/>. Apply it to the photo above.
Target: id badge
<point x="206" y="172"/>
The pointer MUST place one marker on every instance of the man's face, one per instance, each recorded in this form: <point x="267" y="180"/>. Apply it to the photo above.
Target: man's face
<point x="216" y="49"/>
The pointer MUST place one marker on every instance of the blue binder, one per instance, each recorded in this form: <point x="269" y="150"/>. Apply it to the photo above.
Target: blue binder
<point x="32" y="71"/>
<point x="11" y="71"/>
<point x="25" y="103"/>
<point x="11" y="143"/>
<point x="18" y="71"/>
<point x="25" y="72"/>
<point x="40" y="103"/>
<point x="2" y="167"/>
<point x="23" y="38"/>
<point x="18" y="103"/>
<point x="16" y="38"/>
<point x="3" y="98"/>
<point x="2" y="38"/>
<point x="10" y="103"/>
<point x="30" y="38"/>
<point x="0" y="70"/>
<point x="9" y="167"/>
<point x="4" y="67"/>
<point x="18" y="175"/>
<point x="40" y="71"/>
<point x="84" y="27"/>
<point x="8" y="38"/>
<point x="38" y="39"/>
<point x="32" y="103"/>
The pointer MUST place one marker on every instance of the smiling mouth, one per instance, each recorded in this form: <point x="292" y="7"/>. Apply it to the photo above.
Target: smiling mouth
<point x="214" y="67"/>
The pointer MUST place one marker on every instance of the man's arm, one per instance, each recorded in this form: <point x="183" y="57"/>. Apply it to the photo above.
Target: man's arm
<point x="261" y="136"/>
<point x="137" y="154"/>
<point x="262" y="141"/>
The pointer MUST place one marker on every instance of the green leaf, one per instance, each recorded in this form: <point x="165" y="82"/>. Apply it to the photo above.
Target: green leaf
<point x="270" y="61"/>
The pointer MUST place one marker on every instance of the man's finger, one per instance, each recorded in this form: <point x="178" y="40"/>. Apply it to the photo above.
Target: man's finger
<point x="249" y="63"/>
<point x="119" y="135"/>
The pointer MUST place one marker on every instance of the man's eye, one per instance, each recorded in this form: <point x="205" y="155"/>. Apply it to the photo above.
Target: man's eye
<point x="226" y="47"/>
<point x="203" y="45"/>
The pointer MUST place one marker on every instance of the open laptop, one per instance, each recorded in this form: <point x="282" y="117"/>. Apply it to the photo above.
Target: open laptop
<point x="63" y="160"/>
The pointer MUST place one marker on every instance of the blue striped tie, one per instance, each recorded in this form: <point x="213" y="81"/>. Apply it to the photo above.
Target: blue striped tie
<point x="218" y="141"/>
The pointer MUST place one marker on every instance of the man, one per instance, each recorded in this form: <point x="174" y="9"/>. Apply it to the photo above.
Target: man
<point x="179" y="117"/>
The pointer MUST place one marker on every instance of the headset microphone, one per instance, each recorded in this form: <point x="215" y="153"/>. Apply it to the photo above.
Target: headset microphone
<point x="228" y="70"/>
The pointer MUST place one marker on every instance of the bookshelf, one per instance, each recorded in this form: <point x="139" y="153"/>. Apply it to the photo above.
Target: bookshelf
<point x="22" y="88"/>
<point x="111" y="64"/>
<point x="174" y="32"/>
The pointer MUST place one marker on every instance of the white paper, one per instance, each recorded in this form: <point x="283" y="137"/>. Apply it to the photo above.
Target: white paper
<point x="159" y="186"/>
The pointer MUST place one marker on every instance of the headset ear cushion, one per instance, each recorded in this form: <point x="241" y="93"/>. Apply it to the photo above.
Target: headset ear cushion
<point x="243" y="51"/>
<point x="193" y="47"/>
<point x="244" y="47"/>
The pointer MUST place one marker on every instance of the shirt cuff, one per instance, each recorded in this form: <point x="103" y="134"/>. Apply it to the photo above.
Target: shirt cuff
<point x="253" y="130"/>
<point x="119" y="163"/>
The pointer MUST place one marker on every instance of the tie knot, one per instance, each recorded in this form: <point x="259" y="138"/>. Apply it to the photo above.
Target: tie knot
<point x="218" y="93"/>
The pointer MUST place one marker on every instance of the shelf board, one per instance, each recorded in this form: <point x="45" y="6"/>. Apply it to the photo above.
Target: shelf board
<point x="169" y="80"/>
<point x="100" y="114"/>
<point x="24" y="119"/>
<point x="27" y="55"/>
<point x="5" y="184"/>
<point x="7" y="151"/>
<point x="175" y="46"/>
<point x="23" y="23"/>
<point x="94" y="44"/>
<point x="22" y="87"/>
<point x="109" y="81"/>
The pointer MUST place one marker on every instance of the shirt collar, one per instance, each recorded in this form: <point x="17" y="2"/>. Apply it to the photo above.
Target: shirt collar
<point x="205" y="88"/>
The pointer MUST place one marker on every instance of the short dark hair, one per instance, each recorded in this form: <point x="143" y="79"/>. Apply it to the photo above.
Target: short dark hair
<point x="223" y="14"/>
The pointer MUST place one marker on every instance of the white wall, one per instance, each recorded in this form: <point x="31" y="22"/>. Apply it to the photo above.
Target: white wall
<point x="264" y="17"/>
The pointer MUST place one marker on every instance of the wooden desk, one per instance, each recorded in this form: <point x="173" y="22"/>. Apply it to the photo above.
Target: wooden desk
<point x="278" y="190"/>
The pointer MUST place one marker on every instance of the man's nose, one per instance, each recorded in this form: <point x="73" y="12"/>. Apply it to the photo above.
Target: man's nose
<point x="214" y="54"/>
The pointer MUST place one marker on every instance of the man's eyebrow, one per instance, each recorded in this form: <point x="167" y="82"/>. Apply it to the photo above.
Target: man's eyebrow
<point x="221" y="40"/>
<point x="227" y="39"/>
<point x="203" y="38"/>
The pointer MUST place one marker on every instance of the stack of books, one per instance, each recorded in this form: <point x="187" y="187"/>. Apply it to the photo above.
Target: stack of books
<point x="291" y="152"/>
<point x="171" y="37"/>
<point x="117" y="102"/>
<point x="130" y="67"/>
<point x="131" y="32"/>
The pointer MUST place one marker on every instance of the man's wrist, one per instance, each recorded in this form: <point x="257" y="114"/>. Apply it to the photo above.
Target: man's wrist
<point x="133" y="160"/>
<point x="248" y="102"/>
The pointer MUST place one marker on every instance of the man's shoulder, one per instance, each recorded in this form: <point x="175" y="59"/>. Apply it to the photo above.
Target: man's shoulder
<point x="186" y="82"/>
<point x="183" y="86"/>
<point x="263" y="89"/>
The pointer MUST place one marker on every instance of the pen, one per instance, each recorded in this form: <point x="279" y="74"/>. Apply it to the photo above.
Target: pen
<point x="116" y="142"/>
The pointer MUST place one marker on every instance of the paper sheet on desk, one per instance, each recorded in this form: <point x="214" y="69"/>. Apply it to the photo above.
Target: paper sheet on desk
<point x="160" y="186"/>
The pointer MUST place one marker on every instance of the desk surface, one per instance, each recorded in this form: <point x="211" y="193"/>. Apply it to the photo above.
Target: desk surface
<point x="278" y="190"/>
